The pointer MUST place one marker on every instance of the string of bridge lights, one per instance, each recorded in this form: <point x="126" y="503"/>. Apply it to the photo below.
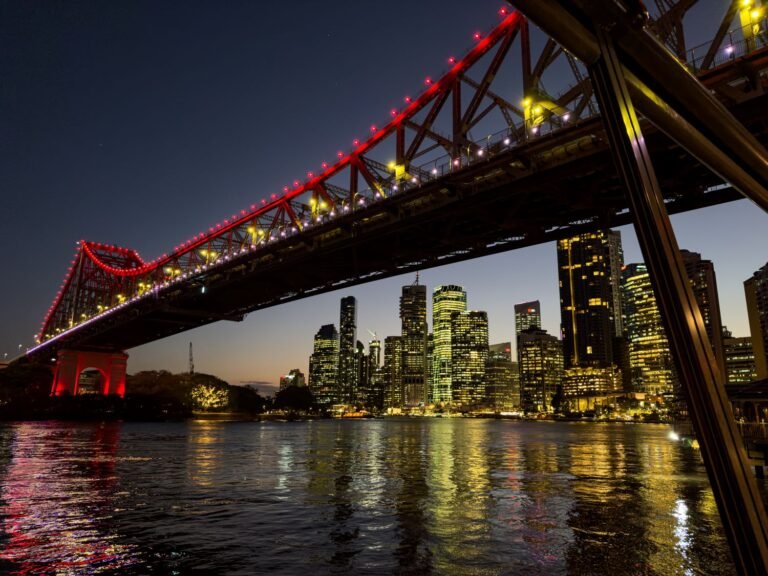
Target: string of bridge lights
<point x="90" y="248"/>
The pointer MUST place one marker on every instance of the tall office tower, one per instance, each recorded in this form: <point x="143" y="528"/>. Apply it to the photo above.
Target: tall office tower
<point x="739" y="359"/>
<point x="469" y="352"/>
<point x="500" y="391"/>
<point x="756" y="290"/>
<point x="701" y="275"/>
<point x="527" y="315"/>
<point x="374" y="353"/>
<point x="430" y="359"/>
<point x="393" y="372"/>
<point x="413" y="317"/>
<point x="375" y="396"/>
<point x="650" y="359"/>
<point x="589" y="300"/>
<point x="541" y="369"/>
<point x="347" y="339"/>
<point x="324" y="366"/>
<point x="363" y="374"/>
<point x="445" y="301"/>
<point x="615" y="266"/>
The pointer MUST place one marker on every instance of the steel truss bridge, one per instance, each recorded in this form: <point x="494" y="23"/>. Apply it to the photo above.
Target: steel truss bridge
<point x="648" y="126"/>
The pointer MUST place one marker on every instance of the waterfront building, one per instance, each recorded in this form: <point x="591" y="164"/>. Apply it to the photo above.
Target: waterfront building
<point x="527" y="315"/>
<point x="589" y="271"/>
<point x="587" y="387"/>
<point x="587" y="302"/>
<point x="430" y="373"/>
<point x="413" y="318"/>
<point x="294" y="378"/>
<point x="502" y="384"/>
<point x="393" y="373"/>
<point x="739" y="359"/>
<point x="445" y="301"/>
<point x="701" y="276"/>
<point x="363" y="375"/>
<point x="650" y="358"/>
<point x="375" y="394"/>
<point x="756" y="290"/>
<point x="347" y="377"/>
<point x="324" y="366"/>
<point x="541" y="369"/>
<point x="469" y="353"/>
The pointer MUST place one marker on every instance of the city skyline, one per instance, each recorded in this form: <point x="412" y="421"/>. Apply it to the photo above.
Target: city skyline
<point x="104" y="167"/>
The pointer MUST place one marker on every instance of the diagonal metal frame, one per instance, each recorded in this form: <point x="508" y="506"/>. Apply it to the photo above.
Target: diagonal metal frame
<point x="639" y="67"/>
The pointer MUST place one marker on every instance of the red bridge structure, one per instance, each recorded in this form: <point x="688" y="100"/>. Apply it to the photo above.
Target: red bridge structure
<point x="647" y="127"/>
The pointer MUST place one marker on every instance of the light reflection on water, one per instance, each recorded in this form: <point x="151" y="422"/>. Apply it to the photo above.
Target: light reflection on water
<point x="410" y="496"/>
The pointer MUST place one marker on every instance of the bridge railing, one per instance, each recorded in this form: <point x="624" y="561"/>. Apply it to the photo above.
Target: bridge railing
<point x="736" y="43"/>
<point x="753" y="430"/>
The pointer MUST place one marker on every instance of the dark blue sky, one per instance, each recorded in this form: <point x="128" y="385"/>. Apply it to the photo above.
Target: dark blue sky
<point x="142" y="123"/>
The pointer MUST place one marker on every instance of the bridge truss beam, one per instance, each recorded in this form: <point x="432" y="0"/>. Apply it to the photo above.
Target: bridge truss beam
<point x="620" y="54"/>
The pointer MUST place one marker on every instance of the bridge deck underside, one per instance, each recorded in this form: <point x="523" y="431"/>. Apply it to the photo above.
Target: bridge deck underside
<point x="550" y="188"/>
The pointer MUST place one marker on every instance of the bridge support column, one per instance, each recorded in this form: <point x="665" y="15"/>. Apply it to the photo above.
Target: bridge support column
<point x="741" y="507"/>
<point x="71" y="363"/>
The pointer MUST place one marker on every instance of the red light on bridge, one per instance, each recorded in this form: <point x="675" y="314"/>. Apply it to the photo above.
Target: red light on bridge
<point x="393" y="112"/>
<point x="407" y="99"/>
<point x="477" y="36"/>
<point x="427" y="80"/>
<point x="451" y="60"/>
<point x="340" y="154"/>
<point x="503" y="11"/>
<point x="355" y="142"/>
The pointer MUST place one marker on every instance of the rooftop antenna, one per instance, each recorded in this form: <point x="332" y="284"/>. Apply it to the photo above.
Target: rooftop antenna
<point x="191" y="360"/>
<point x="417" y="277"/>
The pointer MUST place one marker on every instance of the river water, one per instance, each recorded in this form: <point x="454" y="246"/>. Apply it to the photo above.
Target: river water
<point x="392" y="496"/>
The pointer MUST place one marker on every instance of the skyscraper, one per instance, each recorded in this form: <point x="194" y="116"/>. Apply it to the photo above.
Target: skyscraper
<point x="347" y="377"/>
<point x="587" y="303"/>
<point x="413" y="317"/>
<point x="324" y="366"/>
<point x="445" y="301"/>
<point x="363" y="375"/>
<point x="393" y="373"/>
<point x="615" y="266"/>
<point x="502" y="385"/>
<point x="375" y="399"/>
<point x="756" y="290"/>
<point x="701" y="275"/>
<point x="527" y="315"/>
<point x="541" y="369"/>
<point x="650" y="359"/>
<point x="739" y="359"/>
<point x="589" y="267"/>
<point x="469" y="353"/>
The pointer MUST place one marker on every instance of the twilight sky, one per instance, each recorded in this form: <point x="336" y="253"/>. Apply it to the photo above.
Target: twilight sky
<point x="140" y="123"/>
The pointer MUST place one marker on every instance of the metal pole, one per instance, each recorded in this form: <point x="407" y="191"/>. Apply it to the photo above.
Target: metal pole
<point x="741" y="507"/>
